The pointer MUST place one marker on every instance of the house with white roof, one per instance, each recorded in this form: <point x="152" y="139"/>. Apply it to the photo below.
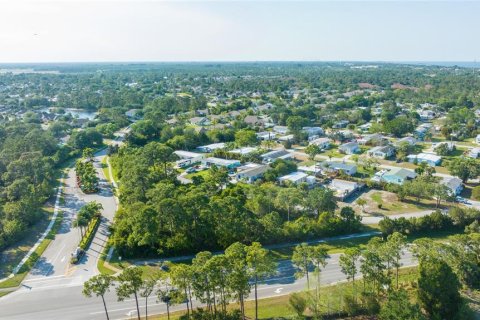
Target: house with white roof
<point x="343" y="188"/>
<point x="394" y="175"/>
<point x="454" y="184"/>
<point x="322" y="143"/>
<point x="474" y="153"/>
<point x="287" y="137"/>
<point x="429" y="158"/>
<point x="372" y="139"/>
<point x="244" y="151"/>
<point x="266" y="135"/>
<point x="280" y="129"/>
<point x="381" y="152"/>
<point x="337" y="166"/>
<point x="297" y="177"/>
<point x="229" y="164"/>
<point x="349" y="148"/>
<point x="211" y="147"/>
<point x="313" y="131"/>
<point x="187" y="158"/>
<point x="450" y="145"/>
<point x="200" y="121"/>
<point x="271" y="156"/>
<point x="410" y="140"/>
<point x="251" y="172"/>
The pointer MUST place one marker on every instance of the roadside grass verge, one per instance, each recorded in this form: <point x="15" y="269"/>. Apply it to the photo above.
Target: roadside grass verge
<point x="17" y="279"/>
<point x="331" y="299"/>
<point x="102" y="265"/>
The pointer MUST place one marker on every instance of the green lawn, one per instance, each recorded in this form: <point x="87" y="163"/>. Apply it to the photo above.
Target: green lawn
<point x="203" y="174"/>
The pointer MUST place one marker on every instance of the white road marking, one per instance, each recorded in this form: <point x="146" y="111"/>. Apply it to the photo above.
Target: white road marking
<point x="43" y="278"/>
<point x="279" y="290"/>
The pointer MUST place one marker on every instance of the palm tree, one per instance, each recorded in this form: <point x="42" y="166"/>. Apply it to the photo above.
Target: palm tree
<point x="130" y="284"/>
<point x="98" y="285"/>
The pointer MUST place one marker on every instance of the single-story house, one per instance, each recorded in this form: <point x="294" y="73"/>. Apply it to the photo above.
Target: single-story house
<point x="477" y="139"/>
<point x="372" y="139"/>
<point x="340" y="124"/>
<point x="254" y="120"/>
<point x="343" y="188"/>
<point x="322" y="143"/>
<point x="365" y="127"/>
<point x="474" y="153"/>
<point x="429" y="158"/>
<point x="381" y="152"/>
<point x="251" y="172"/>
<point x="266" y="135"/>
<point x="410" y="140"/>
<point x="211" y="147"/>
<point x="313" y="131"/>
<point x="422" y="130"/>
<point x="450" y="145"/>
<point x="349" y="148"/>
<point x="336" y="166"/>
<point x="280" y="129"/>
<point x="287" y="137"/>
<point x="395" y="175"/>
<point x="229" y="164"/>
<point x="187" y="158"/>
<point x="271" y="156"/>
<point x="297" y="177"/>
<point x="309" y="169"/>
<point x="426" y="115"/>
<point x="132" y="114"/>
<point x="199" y="121"/>
<point x="454" y="184"/>
<point x="244" y="150"/>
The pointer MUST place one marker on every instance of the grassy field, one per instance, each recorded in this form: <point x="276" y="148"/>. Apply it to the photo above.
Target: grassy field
<point x="16" y="280"/>
<point x="383" y="203"/>
<point x="11" y="256"/>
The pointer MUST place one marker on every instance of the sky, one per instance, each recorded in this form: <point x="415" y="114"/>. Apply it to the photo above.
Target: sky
<point x="108" y="31"/>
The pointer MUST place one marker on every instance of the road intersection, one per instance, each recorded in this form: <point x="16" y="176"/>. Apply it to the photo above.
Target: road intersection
<point x="53" y="288"/>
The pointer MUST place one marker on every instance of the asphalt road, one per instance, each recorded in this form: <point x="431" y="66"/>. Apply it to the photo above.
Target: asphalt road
<point x="65" y="301"/>
<point x="53" y="288"/>
<point x="54" y="267"/>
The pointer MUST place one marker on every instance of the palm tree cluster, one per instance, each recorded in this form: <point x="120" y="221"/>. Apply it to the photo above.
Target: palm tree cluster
<point x="86" y="214"/>
<point x="214" y="280"/>
<point x="86" y="174"/>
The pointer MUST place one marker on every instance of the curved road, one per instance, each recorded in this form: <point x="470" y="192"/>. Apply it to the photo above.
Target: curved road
<point x="54" y="267"/>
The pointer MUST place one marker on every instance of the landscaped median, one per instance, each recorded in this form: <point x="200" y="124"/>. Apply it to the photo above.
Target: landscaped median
<point x="88" y="236"/>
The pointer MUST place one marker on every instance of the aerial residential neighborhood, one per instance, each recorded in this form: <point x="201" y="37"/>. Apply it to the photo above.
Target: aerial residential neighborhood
<point x="231" y="160"/>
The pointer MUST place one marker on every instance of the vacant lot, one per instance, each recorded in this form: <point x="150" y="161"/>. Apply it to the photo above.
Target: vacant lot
<point x="387" y="203"/>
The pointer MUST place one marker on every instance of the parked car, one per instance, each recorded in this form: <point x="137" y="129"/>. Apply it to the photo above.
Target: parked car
<point x="77" y="254"/>
<point x="462" y="200"/>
